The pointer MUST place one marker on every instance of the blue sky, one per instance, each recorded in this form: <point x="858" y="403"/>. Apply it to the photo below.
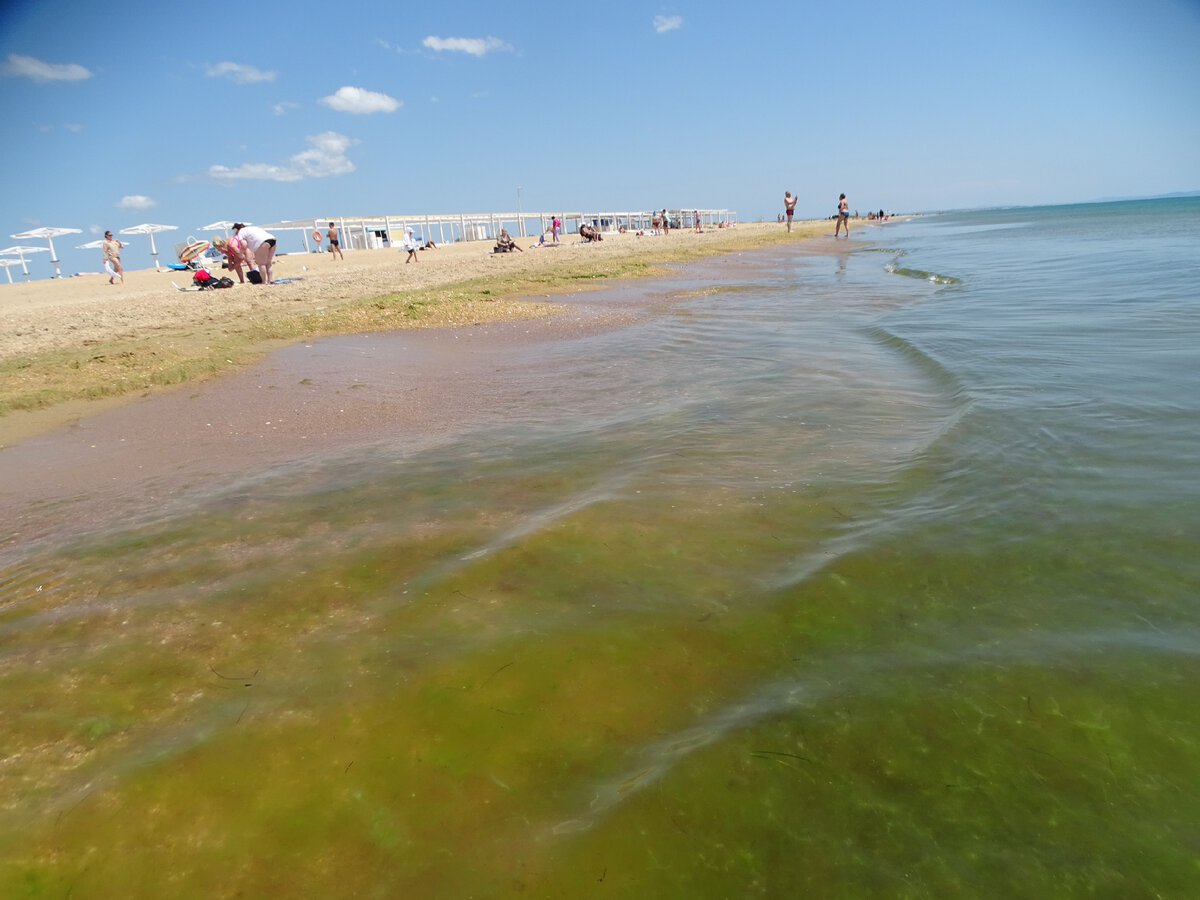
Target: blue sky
<point x="122" y="113"/>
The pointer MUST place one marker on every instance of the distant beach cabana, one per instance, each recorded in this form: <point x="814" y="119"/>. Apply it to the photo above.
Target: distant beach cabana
<point x="49" y="233"/>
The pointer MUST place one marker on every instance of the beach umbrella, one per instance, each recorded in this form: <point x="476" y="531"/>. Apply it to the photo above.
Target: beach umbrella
<point x="224" y="226"/>
<point x="7" y="263"/>
<point x="48" y="233"/>
<point x="150" y="230"/>
<point x="21" y="251"/>
<point x="192" y="250"/>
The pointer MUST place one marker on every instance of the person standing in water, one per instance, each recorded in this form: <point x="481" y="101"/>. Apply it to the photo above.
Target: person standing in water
<point x="843" y="216"/>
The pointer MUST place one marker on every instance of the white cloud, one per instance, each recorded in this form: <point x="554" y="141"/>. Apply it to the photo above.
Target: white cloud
<point x="360" y="101"/>
<point x="239" y="73"/>
<point x="474" y="46"/>
<point x="35" y="69"/>
<point x="285" y="107"/>
<point x="667" y="23"/>
<point x="326" y="156"/>
<point x="134" y="201"/>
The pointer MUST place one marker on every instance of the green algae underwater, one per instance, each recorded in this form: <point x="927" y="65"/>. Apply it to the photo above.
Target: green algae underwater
<point x="750" y="598"/>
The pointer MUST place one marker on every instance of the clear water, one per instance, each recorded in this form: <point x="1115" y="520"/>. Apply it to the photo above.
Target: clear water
<point x="862" y="574"/>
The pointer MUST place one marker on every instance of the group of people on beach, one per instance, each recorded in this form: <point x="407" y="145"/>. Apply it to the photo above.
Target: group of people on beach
<point x="251" y="247"/>
<point x="842" y="217"/>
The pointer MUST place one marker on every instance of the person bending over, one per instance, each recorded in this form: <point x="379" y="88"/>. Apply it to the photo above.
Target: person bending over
<point x="259" y="248"/>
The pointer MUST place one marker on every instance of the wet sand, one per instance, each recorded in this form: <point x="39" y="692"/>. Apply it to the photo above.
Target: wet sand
<point x="136" y="456"/>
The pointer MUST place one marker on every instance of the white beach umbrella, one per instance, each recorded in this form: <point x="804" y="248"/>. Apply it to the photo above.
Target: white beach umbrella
<point x="150" y="230"/>
<point x="224" y="226"/>
<point x="7" y="264"/>
<point x="21" y="251"/>
<point x="48" y="233"/>
<point x="96" y="245"/>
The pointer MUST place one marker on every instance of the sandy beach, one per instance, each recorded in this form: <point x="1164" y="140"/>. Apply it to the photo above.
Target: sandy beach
<point x="99" y="336"/>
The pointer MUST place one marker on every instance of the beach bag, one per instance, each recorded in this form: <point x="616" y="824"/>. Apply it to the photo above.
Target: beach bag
<point x="254" y="276"/>
<point x="223" y="282"/>
<point x="202" y="279"/>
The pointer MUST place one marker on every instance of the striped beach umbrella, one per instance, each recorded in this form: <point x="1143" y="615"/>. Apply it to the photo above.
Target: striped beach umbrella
<point x="192" y="250"/>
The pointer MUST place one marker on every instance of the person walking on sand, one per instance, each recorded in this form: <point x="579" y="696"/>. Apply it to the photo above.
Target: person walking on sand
<point x="334" y="246"/>
<point x="555" y="227"/>
<point x="411" y="244"/>
<point x="843" y="216"/>
<point x="789" y="207"/>
<point x="110" y="252"/>
<point x="666" y="222"/>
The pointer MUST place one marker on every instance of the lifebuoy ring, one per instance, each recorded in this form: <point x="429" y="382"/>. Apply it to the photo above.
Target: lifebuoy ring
<point x="316" y="236"/>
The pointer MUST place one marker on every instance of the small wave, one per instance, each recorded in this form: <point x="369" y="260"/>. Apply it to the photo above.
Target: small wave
<point x="921" y="274"/>
<point x="894" y="268"/>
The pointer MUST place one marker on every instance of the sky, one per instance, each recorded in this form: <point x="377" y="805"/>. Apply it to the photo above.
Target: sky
<point x="118" y="114"/>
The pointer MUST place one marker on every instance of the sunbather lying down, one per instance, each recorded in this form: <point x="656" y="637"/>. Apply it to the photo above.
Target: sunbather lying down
<point x="543" y="242"/>
<point x="589" y="234"/>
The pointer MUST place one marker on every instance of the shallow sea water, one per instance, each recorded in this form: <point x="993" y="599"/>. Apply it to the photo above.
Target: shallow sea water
<point x="867" y="573"/>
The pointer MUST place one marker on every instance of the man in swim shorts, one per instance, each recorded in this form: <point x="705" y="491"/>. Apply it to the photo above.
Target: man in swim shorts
<point x="334" y="246"/>
<point x="843" y="216"/>
<point x="789" y="207"/>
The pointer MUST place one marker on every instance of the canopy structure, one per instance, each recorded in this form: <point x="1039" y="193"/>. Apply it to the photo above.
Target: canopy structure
<point x="150" y="230"/>
<point x="49" y="233"/>
<point x="21" y="251"/>
<point x="8" y="263"/>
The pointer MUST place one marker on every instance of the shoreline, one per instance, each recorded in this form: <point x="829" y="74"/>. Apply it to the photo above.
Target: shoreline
<point x="73" y="347"/>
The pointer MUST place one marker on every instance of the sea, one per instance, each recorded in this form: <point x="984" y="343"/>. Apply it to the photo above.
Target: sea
<point x="836" y="568"/>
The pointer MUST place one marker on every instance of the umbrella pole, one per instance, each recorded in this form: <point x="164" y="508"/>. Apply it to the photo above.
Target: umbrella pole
<point x="153" y="251"/>
<point x="57" y="272"/>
